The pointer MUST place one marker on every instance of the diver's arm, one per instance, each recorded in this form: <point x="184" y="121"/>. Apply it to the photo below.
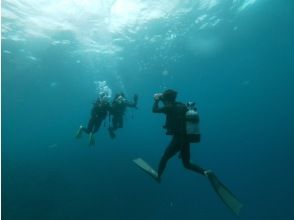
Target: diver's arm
<point x="131" y="104"/>
<point x="134" y="103"/>
<point x="157" y="109"/>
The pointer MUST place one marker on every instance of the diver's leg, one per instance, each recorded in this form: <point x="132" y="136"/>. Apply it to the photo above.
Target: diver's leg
<point x="170" y="151"/>
<point x="115" y="123"/>
<point x="87" y="130"/>
<point x="97" y="124"/>
<point x="120" y="123"/>
<point x="111" y="124"/>
<point x="90" y="126"/>
<point x="113" y="127"/>
<point x="185" y="153"/>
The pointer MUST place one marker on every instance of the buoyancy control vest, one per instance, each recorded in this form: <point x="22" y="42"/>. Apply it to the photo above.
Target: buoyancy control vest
<point x="175" y="119"/>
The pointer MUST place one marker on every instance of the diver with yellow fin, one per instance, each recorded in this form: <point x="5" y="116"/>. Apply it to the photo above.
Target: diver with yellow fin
<point x="182" y="123"/>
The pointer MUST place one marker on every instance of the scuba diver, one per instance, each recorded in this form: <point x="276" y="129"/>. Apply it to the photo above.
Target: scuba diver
<point x="176" y="126"/>
<point x="117" y="110"/>
<point x="182" y="122"/>
<point x="98" y="113"/>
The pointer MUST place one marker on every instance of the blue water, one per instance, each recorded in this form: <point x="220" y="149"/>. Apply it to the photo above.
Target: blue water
<point x="239" y="70"/>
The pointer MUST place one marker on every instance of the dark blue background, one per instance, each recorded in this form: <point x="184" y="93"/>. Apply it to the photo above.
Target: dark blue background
<point x="244" y="93"/>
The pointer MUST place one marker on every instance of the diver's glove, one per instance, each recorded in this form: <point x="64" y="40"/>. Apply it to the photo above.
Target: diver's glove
<point x="157" y="97"/>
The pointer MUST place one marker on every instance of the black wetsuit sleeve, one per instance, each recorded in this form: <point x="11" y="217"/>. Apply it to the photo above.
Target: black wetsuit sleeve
<point x="157" y="109"/>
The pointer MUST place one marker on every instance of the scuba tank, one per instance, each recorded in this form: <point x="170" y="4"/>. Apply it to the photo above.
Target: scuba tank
<point x="192" y="123"/>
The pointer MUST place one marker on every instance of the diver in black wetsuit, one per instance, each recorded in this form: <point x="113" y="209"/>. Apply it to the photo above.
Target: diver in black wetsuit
<point x="117" y="110"/>
<point x="175" y="126"/>
<point x="98" y="113"/>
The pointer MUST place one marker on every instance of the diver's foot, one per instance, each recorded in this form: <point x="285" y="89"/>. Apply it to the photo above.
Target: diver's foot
<point x="207" y="172"/>
<point x="79" y="133"/>
<point x="111" y="133"/>
<point x="91" y="139"/>
<point x="158" y="179"/>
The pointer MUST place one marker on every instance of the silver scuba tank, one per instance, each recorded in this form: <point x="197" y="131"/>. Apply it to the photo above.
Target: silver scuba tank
<point x="192" y="123"/>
